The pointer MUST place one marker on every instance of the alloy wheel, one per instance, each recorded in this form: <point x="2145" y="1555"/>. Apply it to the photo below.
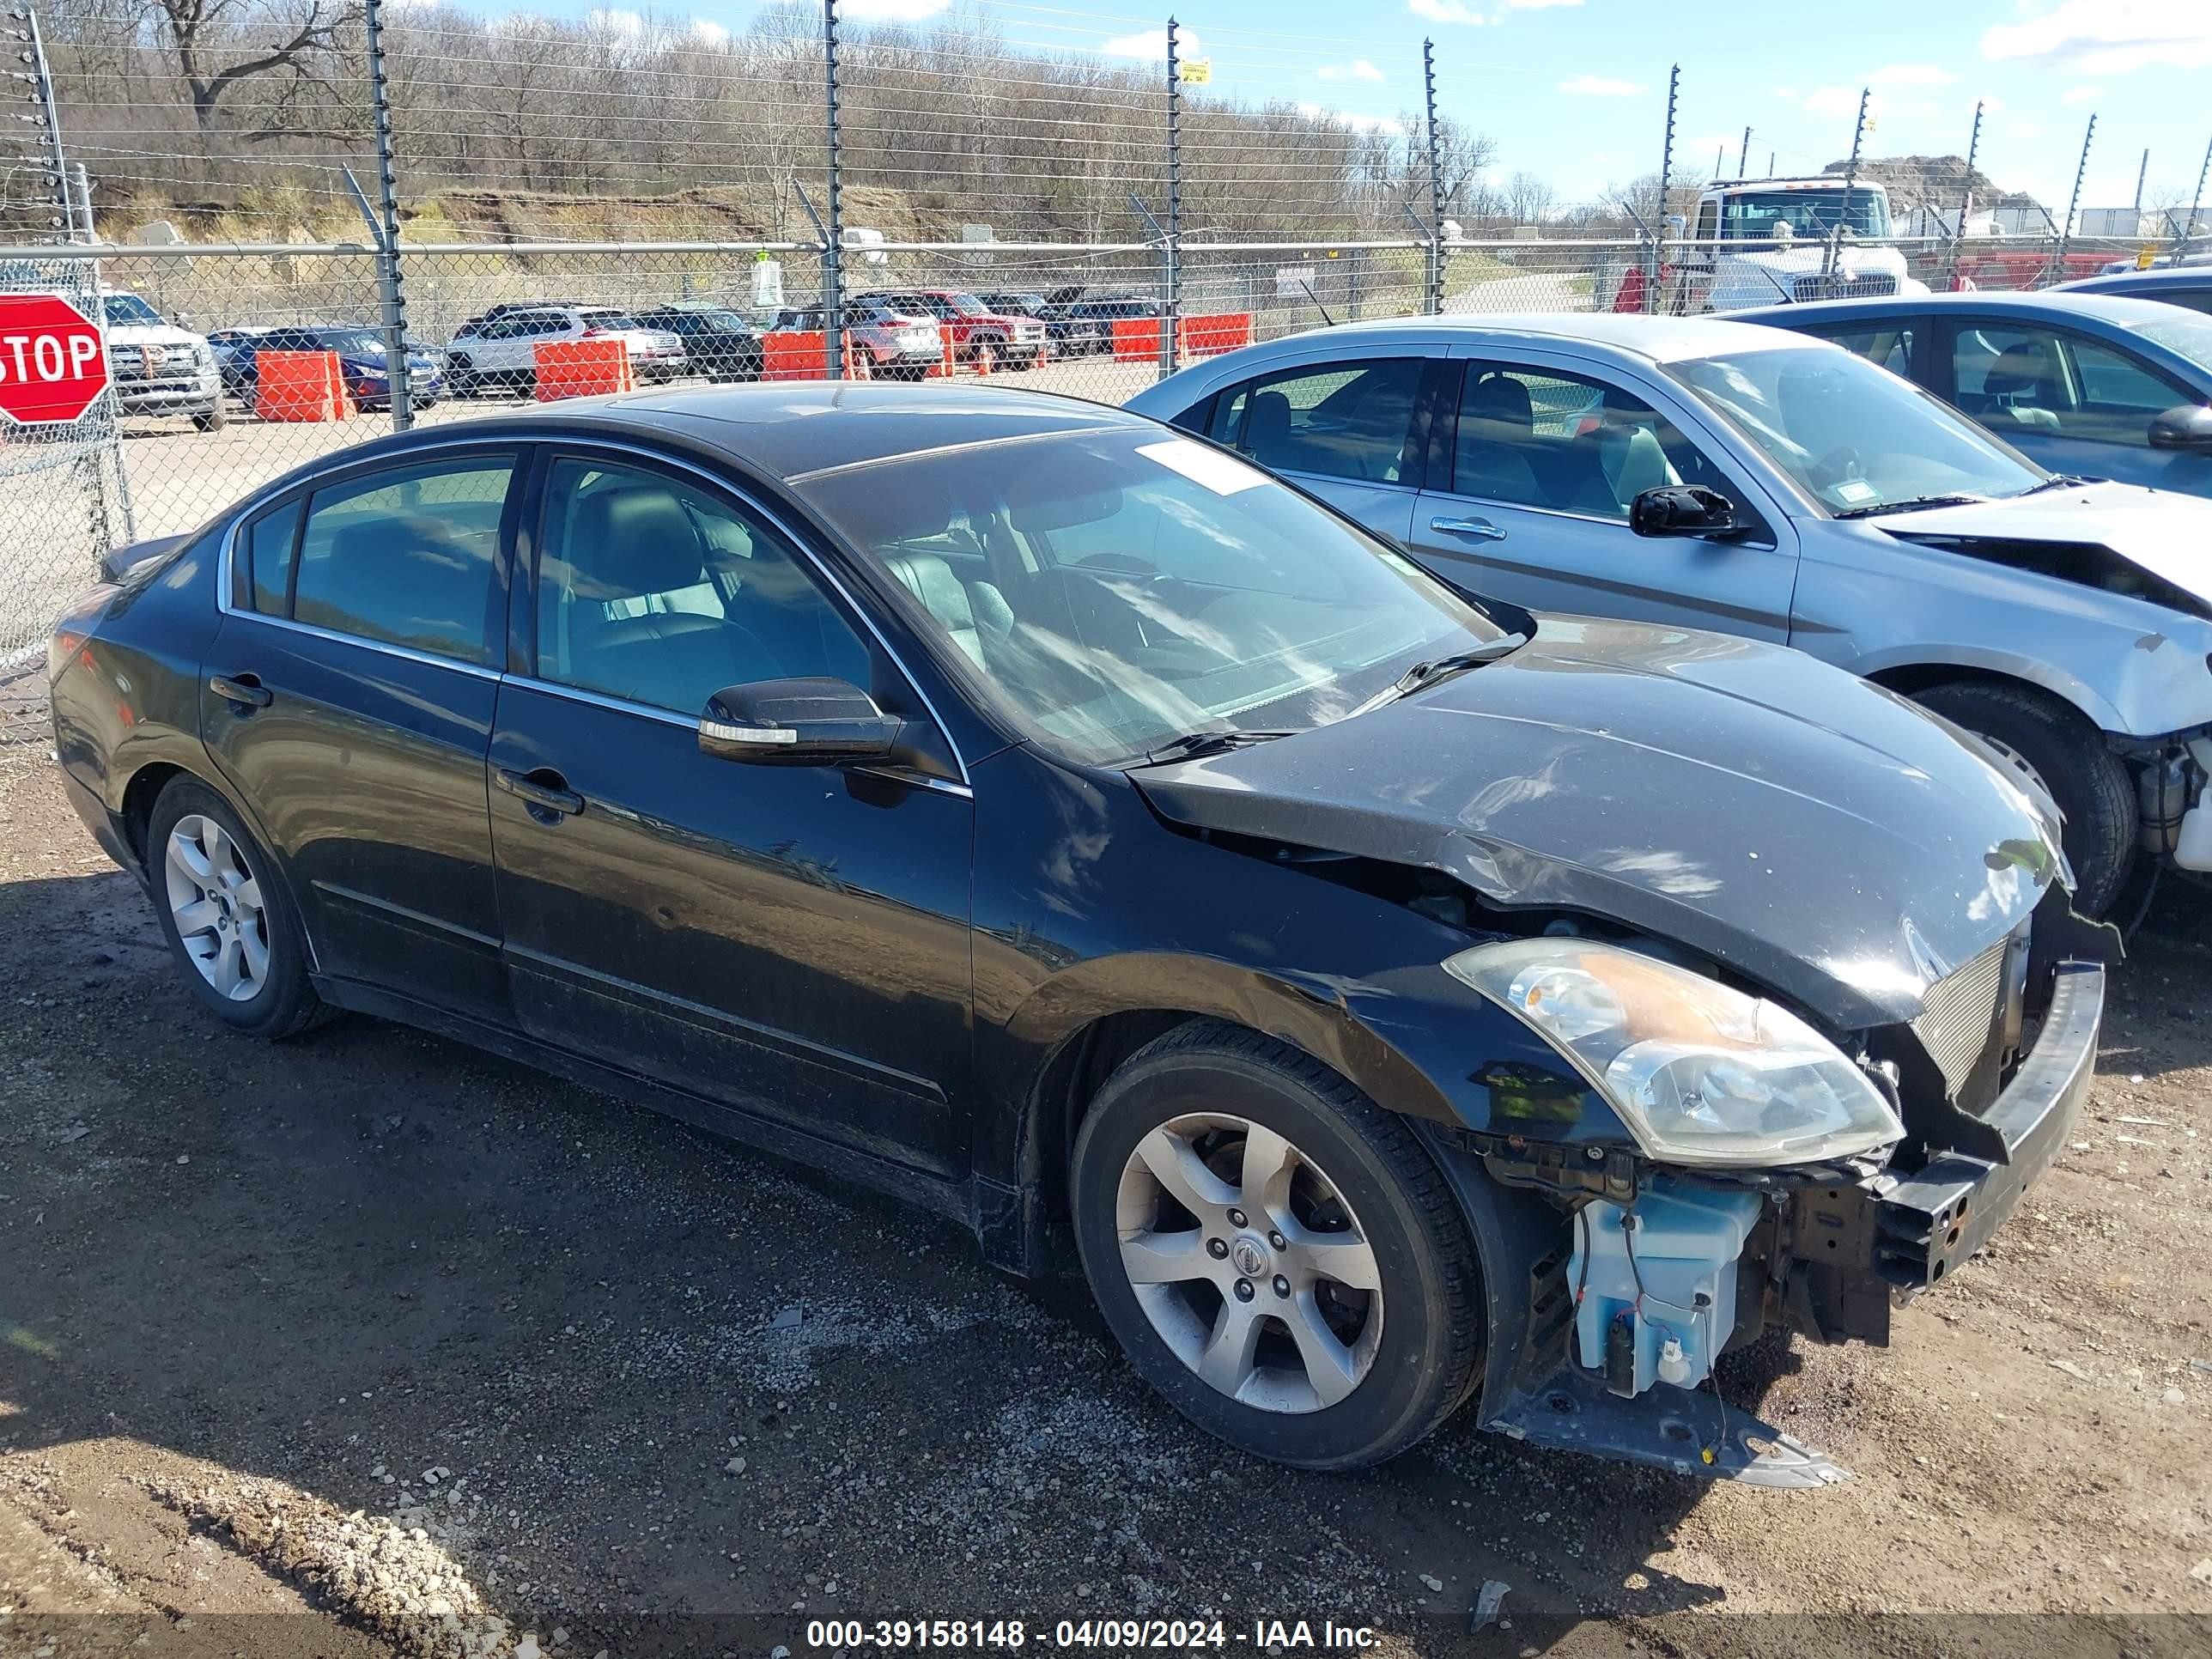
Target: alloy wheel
<point x="1249" y="1263"/>
<point x="214" y="899"/>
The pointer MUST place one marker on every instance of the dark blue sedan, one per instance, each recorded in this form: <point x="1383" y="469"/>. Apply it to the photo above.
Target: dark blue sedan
<point x="2176" y="285"/>
<point x="362" y="360"/>
<point x="2098" y="385"/>
<point x="1023" y="807"/>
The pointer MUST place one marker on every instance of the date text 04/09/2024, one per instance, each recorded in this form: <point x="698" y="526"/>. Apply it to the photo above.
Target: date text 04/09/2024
<point x="1114" y="1635"/>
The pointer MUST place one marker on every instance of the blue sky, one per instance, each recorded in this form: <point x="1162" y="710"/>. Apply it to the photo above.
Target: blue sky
<point x="1575" y="90"/>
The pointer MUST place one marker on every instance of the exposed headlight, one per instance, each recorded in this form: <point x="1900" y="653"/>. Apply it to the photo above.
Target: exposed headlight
<point x="1700" y="1073"/>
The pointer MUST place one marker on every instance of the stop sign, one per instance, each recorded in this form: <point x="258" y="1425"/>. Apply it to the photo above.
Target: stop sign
<point x="52" y="366"/>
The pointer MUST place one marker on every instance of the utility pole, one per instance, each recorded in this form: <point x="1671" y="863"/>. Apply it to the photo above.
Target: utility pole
<point x="832" y="256"/>
<point x="1171" y="320"/>
<point x="1436" y="296"/>
<point x="2074" y="203"/>
<point x="390" y="282"/>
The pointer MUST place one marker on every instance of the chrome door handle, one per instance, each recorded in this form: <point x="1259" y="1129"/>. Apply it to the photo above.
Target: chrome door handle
<point x="546" y="791"/>
<point x="1479" y="529"/>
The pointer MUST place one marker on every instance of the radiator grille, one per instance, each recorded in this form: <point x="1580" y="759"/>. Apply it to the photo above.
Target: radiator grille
<point x="1961" y="1018"/>
<point x="1875" y="285"/>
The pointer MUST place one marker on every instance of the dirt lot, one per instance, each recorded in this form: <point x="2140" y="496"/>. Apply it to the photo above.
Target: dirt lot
<point x="391" y="1344"/>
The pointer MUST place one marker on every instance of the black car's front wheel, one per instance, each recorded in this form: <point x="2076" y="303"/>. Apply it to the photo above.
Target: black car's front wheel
<point x="227" y="918"/>
<point x="1276" y="1254"/>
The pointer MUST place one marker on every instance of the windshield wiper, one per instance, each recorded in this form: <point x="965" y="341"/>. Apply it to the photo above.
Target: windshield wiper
<point x="1424" y="674"/>
<point x="1196" y="745"/>
<point x="1911" y="504"/>
<point x="2056" y="481"/>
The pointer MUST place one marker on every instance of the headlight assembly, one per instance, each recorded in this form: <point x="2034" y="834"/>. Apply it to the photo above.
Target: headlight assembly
<point x="1700" y="1073"/>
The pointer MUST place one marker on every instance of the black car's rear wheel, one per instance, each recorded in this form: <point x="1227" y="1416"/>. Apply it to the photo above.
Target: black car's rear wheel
<point x="1276" y="1254"/>
<point x="227" y="917"/>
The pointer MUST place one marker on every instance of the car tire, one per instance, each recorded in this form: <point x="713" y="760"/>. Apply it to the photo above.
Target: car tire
<point x="461" y="377"/>
<point x="210" y="420"/>
<point x="2050" y="745"/>
<point x="248" y="966"/>
<point x="1398" y="1358"/>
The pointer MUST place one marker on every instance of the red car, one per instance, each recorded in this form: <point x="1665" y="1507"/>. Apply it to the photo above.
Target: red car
<point x="977" y="331"/>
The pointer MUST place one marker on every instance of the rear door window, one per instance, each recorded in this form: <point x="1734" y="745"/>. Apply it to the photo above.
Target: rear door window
<point x="406" y="556"/>
<point x="1335" y="421"/>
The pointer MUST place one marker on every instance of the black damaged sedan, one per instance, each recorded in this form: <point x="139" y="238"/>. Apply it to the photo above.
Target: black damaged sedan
<point x="1386" y="999"/>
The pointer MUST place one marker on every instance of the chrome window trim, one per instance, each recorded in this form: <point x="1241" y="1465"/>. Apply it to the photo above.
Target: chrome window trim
<point x="253" y="504"/>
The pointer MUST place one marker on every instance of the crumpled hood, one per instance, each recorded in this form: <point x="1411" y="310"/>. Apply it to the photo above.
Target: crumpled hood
<point x="2167" y="534"/>
<point x="1816" y="833"/>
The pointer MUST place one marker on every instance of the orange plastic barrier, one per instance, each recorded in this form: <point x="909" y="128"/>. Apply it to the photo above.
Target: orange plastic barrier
<point x="300" y="385"/>
<point x="1136" y="339"/>
<point x="1209" y="335"/>
<point x="581" y="369"/>
<point x="950" y="363"/>
<point x="796" y="354"/>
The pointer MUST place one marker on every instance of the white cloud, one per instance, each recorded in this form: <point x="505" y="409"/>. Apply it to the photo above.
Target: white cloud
<point x="1358" y="69"/>
<point x="709" y="34"/>
<point x="2110" y="37"/>
<point x="1151" y="46"/>
<point x="2080" y="94"/>
<point x="1837" y="100"/>
<point x="1356" y="123"/>
<point x="1444" y="11"/>
<point x="890" y="11"/>
<point x="615" y="22"/>
<point x="1912" y="75"/>
<point x="1597" y="86"/>
<point x="2023" y="130"/>
<point x="1540" y="5"/>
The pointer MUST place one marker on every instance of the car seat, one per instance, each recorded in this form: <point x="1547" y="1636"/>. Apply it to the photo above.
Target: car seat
<point x="1496" y="422"/>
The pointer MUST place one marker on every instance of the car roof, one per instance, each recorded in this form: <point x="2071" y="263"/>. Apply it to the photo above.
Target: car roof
<point x="787" y="427"/>
<point x="2118" y="311"/>
<point x="2145" y="282"/>
<point x="1655" y="340"/>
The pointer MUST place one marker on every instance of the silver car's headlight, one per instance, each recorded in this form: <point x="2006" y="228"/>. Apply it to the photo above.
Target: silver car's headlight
<point x="1699" y="1072"/>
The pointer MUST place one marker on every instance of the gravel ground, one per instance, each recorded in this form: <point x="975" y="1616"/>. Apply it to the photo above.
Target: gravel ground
<point x="397" y="1347"/>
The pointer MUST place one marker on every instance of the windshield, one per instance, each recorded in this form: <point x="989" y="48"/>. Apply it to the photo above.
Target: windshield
<point x="967" y="305"/>
<point x="607" y="319"/>
<point x="358" y="341"/>
<point x="1755" y="216"/>
<point x="1855" y="437"/>
<point x="1112" y="589"/>
<point x="2184" y="334"/>
<point x="129" y="308"/>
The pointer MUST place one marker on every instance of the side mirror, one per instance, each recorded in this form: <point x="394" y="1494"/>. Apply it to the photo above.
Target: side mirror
<point x="2189" y="426"/>
<point x="802" y="722"/>
<point x="1685" y="510"/>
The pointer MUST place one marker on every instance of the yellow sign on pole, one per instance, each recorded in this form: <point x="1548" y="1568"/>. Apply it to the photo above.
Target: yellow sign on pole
<point x="1197" y="71"/>
<point x="2146" y="256"/>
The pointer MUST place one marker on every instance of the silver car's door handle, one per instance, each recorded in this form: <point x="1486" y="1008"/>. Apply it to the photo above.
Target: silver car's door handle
<point x="1479" y="530"/>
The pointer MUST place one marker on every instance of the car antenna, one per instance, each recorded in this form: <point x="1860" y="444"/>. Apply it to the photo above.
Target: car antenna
<point x="1318" y="306"/>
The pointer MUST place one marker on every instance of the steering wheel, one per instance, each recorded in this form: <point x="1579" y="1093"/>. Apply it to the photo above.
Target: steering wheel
<point x="1836" y="466"/>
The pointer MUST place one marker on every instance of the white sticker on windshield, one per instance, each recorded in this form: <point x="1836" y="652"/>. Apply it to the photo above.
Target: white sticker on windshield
<point x="1853" y="491"/>
<point x="1224" y="475"/>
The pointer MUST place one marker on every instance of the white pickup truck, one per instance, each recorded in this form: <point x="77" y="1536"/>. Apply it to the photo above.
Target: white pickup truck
<point x="1779" y="241"/>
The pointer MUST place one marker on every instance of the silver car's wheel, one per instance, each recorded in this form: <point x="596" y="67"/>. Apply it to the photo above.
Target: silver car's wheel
<point x="214" y="899"/>
<point x="2015" y="761"/>
<point x="1249" y="1263"/>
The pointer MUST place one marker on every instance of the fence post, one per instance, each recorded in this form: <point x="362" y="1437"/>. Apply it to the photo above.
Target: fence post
<point x="2074" y="203"/>
<point x="42" y="93"/>
<point x="1666" y="185"/>
<point x="1171" y="241"/>
<point x="1851" y="184"/>
<point x="1743" y="156"/>
<point x="2188" y="225"/>
<point x="833" y="255"/>
<point x="1966" y="195"/>
<point x="390" y="280"/>
<point x="1435" y="294"/>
